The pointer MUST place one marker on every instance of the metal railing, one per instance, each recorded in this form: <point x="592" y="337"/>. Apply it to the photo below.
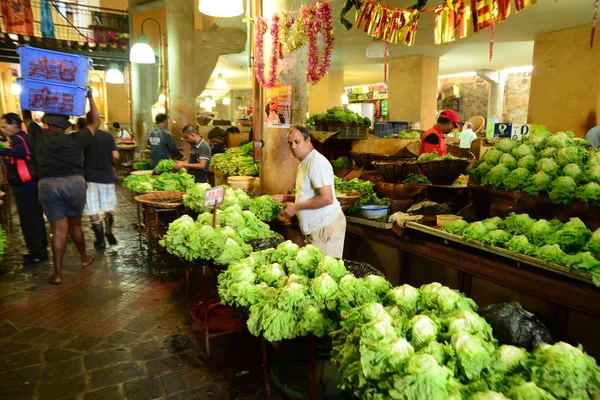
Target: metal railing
<point x="72" y="22"/>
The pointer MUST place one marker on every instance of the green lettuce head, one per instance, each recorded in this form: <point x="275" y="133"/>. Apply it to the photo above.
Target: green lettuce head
<point x="527" y="162"/>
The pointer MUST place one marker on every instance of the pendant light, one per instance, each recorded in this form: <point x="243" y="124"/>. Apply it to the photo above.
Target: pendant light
<point x="141" y="52"/>
<point x="113" y="75"/>
<point x="15" y="89"/>
<point x="226" y="101"/>
<point x="221" y="8"/>
<point x="219" y="83"/>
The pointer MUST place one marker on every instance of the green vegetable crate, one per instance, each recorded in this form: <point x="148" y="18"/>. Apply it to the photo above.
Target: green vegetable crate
<point x="354" y="132"/>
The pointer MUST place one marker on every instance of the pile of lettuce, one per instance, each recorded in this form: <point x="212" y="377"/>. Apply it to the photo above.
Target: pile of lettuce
<point x="416" y="179"/>
<point x="339" y="115"/>
<point x="165" y="166"/>
<point x="292" y="291"/>
<point x="265" y="208"/>
<point x="559" y="165"/>
<point x="142" y="166"/>
<point x="3" y="242"/>
<point x="434" y="157"/>
<point x="570" y="244"/>
<point x="166" y="182"/>
<point x="341" y="164"/>
<point x="430" y="344"/>
<point x="365" y="188"/>
<point x="236" y="161"/>
<point x="197" y="240"/>
<point x="193" y="199"/>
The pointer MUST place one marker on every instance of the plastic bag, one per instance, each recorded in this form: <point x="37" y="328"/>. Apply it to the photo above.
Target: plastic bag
<point x="514" y="325"/>
<point x="266" y="243"/>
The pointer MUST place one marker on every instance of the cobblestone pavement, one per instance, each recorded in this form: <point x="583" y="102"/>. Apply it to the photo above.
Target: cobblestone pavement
<point x="116" y="330"/>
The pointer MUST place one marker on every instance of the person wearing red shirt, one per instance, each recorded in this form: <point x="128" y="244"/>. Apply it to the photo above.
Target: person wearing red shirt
<point x="433" y="140"/>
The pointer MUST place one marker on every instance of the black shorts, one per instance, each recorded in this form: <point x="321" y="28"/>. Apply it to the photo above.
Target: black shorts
<point x="62" y="197"/>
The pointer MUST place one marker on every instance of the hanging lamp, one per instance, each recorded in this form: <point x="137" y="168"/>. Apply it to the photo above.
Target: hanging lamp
<point x="221" y="8"/>
<point x="113" y="75"/>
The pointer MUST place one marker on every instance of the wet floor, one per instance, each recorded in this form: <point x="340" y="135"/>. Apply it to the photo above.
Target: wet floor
<point x="119" y="329"/>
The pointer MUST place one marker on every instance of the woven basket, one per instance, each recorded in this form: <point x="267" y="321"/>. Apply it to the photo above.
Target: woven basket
<point x="395" y="171"/>
<point x="348" y="199"/>
<point x="456" y="151"/>
<point x="362" y="160"/>
<point x="203" y="121"/>
<point x="478" y="125"/>
<point x="361" y="269"/>
<point x="161" y="199"/>
<point x="443" y="172"/>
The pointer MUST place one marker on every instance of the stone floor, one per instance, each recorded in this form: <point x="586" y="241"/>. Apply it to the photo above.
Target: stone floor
<point x="116" y="330"/>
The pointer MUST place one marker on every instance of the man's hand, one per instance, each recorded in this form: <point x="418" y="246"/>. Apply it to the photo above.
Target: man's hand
<point x="90" y="93"/>
<point x="278" y="197"/>
<point x="290" y="209"/>
<point x="179" y="165"/>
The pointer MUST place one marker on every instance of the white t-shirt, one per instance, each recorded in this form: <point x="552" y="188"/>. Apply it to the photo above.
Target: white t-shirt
<point x="123" y="134"/>
<point x="314" y="172"/>
<point x="466" y="138"/>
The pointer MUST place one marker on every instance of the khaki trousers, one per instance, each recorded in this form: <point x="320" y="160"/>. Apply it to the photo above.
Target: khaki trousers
<point x="330" y="239"/>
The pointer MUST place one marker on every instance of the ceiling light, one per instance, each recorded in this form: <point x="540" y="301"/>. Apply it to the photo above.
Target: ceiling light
<point x="226" y="101"/>
<point x="141" y="52"/>
<point x="345" y="99"/>
<point x="15" y="89"/>
<point x="113" y="75"/>
<point x="220" y="83"/>
<point x="376" y="49"/>
<point x="162" y="98"/>
<point x="459" y="75"/>
<point x="221" y="8"/>
<point x="211" y="103"/>
<point x="95" y="92"/>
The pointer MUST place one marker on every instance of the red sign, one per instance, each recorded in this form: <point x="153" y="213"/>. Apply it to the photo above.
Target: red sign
<point x="214" y="197"/>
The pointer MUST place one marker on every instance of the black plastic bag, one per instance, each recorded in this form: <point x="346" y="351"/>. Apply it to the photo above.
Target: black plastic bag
<point x="266" y="243"/>
<point x="514" y="325"/>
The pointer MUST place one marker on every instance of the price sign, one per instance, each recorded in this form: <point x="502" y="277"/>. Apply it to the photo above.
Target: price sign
<point x="520" y="130"/>
<point x="214" y="197"/>
<point x="502" y="131"/>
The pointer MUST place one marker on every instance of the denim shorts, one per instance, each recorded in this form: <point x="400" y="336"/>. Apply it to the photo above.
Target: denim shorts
<point x="62" y="197"/>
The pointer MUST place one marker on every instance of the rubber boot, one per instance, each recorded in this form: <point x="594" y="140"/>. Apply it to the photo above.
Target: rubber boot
<point x="99" y="232"/>
<point x="109" y="218"/>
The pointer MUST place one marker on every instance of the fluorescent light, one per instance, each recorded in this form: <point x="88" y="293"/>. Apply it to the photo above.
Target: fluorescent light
<point x="141" y="52"/>
<point x="113" y="75"/>
<point x="345" y="99"/>
<point x="15" y="89"/>
<point x="221" y="8"/>
<point x="459" y="75"/>
<point x="219" y="83"/>
<point x="515" y="70"/>
<point x="226" y="101"/>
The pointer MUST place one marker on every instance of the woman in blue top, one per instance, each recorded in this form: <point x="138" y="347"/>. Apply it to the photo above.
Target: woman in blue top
<point x="30" y="210"/>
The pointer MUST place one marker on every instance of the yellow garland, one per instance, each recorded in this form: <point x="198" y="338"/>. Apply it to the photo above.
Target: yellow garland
<point x="292" y="32"/>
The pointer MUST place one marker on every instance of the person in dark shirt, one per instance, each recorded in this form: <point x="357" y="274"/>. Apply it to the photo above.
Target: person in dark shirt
<point x="162" y="145"/>
<point x="99" y="159"/>
<point x="62" y="186"/>
<point x="200" y="153"/>
<point x="30" y="210"/>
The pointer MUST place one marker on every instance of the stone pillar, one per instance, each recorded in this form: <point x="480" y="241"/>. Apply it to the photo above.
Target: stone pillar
<point x="296" y="77"/>
<point x="144" y="80"/>
<point x="327" y="93"/>
<point x="496" y="80"/>
<point x="412" y="89"/>
<point x="565" y="81"/>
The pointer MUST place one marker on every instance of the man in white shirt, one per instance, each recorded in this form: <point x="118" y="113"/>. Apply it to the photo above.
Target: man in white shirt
<point x="122" y="134"/>
<point x="319" y="212"/>
<point x="467" y="136"/>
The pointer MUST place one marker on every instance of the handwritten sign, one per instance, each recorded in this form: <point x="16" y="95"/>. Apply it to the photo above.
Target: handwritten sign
<point x="214" y="197"/>
<point x="511" y="131"/>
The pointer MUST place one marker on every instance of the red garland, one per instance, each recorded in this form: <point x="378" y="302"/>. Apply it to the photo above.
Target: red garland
<point x="317" y="18"/>
<point x="259" y="32"/>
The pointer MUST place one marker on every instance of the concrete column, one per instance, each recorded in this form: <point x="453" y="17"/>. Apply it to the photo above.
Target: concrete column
<point x="144" y="80"/>
<point x="327" y="93"/>
<point x="296" y="77"/>
<point x="412" y="88"/>
<point x="565" y="81"/>
<point x="496" y="80"/>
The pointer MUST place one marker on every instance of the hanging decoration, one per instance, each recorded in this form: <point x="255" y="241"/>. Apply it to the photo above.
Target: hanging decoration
<point x="393" y="25"/>
<point x="292" y="32"/>
<point x="595" y="9"/>
<point x="318" y="20"/>
<point x="260" y="31"/>
<point x="523" y="4"/>
<point x="483" y="13"/>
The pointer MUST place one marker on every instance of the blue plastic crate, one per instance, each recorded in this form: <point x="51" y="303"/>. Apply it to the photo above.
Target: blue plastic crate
<point x="52" y="97"/>
<point x="382" y="129"/>
<point x="398" y="126"/>
<point x="354" y="132"/>
<point x="53" y="66"/>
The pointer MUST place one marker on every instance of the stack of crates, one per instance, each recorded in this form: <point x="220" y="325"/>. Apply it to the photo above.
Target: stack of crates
<point x="53" y="82"/>
<point x="383" y="129"/>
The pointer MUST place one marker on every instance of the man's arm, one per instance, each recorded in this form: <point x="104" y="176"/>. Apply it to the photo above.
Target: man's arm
<point x="115" y="156"/>
<point x="322" y="199"/>
<point x="18" y="150"/>
<point x="283" y="197"/>
<point x="199" y="165"/>
<point x="94" y="114"/>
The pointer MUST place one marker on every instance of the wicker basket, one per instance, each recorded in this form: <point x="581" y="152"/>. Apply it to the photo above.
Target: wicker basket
<point x="478" y="125"/>
<point x="414" y="149"/>
<point x="395" y="171"/>
<point x="203" y="121"/>
<point x="161" y="199"/>
<point x="443" y="172"/>
<point x="347" y="199"/>
<point x="362" y="160"/>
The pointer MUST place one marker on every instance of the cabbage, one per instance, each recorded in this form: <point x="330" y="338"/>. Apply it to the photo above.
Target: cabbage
<point x="552" y="253"/>
<point x="517" y="179"/>
<point x="474" y="355"/>
<point x="509" y="359"/>
<point x="593" y="245"/>
<point x="584" y="262"/>
<point x="522" y="151"/>
<point x="439" y="299"/>
<point x="559" y="140"/>
<point x="378" y="358"/>
<point x="549" y="152"/>
<point x="492" y="156"/>
<point x="270" y="273"/>
<point x="517" y="224"/>
<point x="491" y="224"/>
<point x="405" y="297"/>
<point x="457" y="227"/>
<point x="593" y="173"/>
<point x="354" y="292"/>
<point x="507" y="145"/>
<point x="488" y="396"/>
<point x="508" y="161"/>
<point x="292" y="297"/>
<point x="423" y="379"/>
<point x="549" y="166"/>
<point x="589" y="194"/>
<point x="527" y="162"/>
<point x="474" y="232"/>
<point x="421" y="331"/>
<point x="378" y="284"/>
<point x="540" y="182"/>
<point x="495" y="178"/>
<point x="540" y="232"/>
<point x="285" y="250"/>
<point x="565" y="371"/>
<point x="482" y="170"/>
<point x="324" y="291"/>
<point x="306" y="261"/>
<point x="529" y="391"/>
<point x="335" y="268"/>
<point x="563" y="190"/>
<point x="276" y="324"/>
<point x="443" y="353"/>
<point x="520" y="244"/>
<point x="568" y="155"/>
<point x="497" y="237"/>
<point x="467" y="321"/>
<point x="573" y="236"/>
<point x="593" y="158"/>
<point x="314" y="321"/>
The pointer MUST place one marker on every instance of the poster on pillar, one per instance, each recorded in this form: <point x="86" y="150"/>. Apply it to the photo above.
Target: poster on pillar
<point x="281" y="96"/>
